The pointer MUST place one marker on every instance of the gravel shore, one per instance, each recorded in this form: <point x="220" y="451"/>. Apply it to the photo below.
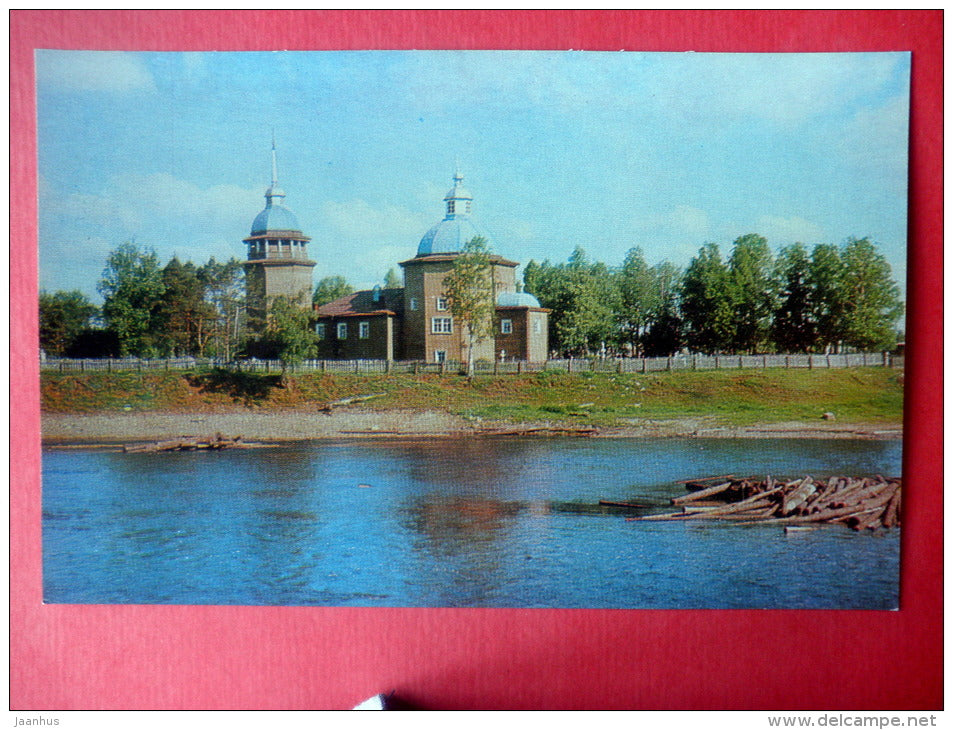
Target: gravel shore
<point x="297" y="425"/>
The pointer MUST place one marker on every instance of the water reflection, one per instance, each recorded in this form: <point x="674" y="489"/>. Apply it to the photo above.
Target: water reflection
<point x="445" y="523"/>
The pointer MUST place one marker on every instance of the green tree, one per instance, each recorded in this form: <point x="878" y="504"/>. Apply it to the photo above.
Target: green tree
<point x="132" y="287"/>
<point x="469" y="290"/>
<point x="392" y="280"/>
<point x="638" y="299"/>
<point x="64" y="315"/>
<point x="224" y="290"/>
<point x="331" y="288"/>
<point x="707" y="303"/>
<point x="289" y="332"/>
<point x="753" y="291"/>
<point x="793" y="328"/>
<point x="664" y="336"/>
<point x="583" y="299"/>
<point x="827" y="279"/>
<point x="872" y="298"/>
<point x="183" y="317"/>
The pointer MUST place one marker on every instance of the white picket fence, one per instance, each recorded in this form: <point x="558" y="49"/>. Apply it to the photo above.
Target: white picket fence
<point x="569" y="365"/>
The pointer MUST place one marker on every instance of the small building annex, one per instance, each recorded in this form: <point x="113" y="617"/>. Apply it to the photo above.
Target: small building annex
<point x="415" y="322"/>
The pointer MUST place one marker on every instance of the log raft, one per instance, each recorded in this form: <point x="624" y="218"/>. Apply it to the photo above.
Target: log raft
<point x="187" y="443"/>
<point x="865" y="503"/>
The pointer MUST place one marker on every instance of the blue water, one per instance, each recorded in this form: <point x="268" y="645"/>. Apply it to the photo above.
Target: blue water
<point x="480" y="522"/>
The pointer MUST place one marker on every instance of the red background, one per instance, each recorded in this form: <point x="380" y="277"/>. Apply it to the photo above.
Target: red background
<point x="182" y="657"/>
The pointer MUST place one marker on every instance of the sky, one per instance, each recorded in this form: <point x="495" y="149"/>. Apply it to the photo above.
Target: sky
<point x="607" y="151"/>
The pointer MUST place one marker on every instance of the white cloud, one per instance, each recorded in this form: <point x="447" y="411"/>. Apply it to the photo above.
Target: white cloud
<point x="112" y="71"/>
<point x="358" y="219"/>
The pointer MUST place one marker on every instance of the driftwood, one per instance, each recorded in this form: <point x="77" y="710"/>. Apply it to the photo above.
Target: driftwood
<point x="536" y="430"/>
<point x="187" y="443"/>
<point x="328" y="407"/>
<point x="865" y="503"/>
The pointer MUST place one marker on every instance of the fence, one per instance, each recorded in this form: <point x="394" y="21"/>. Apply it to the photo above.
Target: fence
<point x="570" y="365"/>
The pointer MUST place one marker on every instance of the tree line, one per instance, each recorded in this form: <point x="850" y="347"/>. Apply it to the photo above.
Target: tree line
<point x="149" y="310"/>
<point x="824" y="300"/>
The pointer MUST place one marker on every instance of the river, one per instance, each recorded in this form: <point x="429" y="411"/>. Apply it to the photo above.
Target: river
<point x="450" y="522"/>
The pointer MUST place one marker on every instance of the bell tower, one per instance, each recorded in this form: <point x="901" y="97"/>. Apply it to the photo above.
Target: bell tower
<point x="277" y="262"/>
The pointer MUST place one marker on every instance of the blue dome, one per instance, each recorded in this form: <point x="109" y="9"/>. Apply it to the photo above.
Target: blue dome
<point x="516" y="299"/>
<point x="274" y="218"/>
<point x="449" y="236"/>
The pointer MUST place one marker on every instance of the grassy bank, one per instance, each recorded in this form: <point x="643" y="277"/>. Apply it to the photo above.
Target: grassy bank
<point x="729" y="397"/>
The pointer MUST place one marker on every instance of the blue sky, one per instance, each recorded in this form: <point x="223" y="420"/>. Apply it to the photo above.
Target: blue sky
<point x="666" y="151"/>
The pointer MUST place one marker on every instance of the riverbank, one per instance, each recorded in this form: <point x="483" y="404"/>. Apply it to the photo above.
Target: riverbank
<point x="277" y="426"/>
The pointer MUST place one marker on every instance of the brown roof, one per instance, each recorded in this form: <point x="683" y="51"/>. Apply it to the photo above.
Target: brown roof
<point x="362" y="302"/>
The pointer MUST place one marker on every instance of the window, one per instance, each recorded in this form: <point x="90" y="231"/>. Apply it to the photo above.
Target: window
<point x="342" y="330"/>
<point x="441" y="304"/>
<point x="440" y="355"/>
<point x="450" y="207"/>
<point x="319" y="330"/>
<point x="537" y="327"/>
<point x="414" y="304"/>
<point x="506" y="326"/>
<point x="441" y="325"/>
<point x="364" y="330"/>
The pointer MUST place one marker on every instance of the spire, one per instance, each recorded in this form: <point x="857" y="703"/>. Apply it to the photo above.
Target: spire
<point x="274" y="191"/>
<point x="274" y="161"/>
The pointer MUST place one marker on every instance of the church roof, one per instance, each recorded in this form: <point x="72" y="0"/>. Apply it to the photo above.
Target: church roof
<point x="456" y="229"/>
<point x="275" y="217"/>
<point x="516" y="299"/>
<point x="391" y="301"/>
<point x="449" y="236"/>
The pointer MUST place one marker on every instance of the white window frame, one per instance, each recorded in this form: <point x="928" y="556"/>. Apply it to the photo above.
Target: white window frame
<point x="440" y="355"/>
<point x="342" y="330"/>
<point x="442" y="304"/>
<point x="441" y="325"/>
<point x="364" y="330"/>
<point x="320" y="330"/>
<point x="414" y="304"/>
<point x="506" y="326"/>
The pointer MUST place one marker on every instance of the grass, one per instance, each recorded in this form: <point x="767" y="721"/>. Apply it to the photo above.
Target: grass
<point x="729" y="397"/>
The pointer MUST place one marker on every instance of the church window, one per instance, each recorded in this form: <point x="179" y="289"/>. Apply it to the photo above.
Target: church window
<point x="450" y="207"/>
<point x="342" y="330"/>
<point x="364" y="330"/>
<point x="441" y="304"/>
<point x="319" y="330"/>
<point x="441" y="325"/>
<point x="506" y="326"/>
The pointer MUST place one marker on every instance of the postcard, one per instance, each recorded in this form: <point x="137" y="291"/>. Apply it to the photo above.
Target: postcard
<point x="513" y="329"/>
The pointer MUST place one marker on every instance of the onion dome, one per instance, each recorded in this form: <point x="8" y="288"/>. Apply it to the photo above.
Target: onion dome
<point x="516" y="299"/>
<point x="275" y="216"/>
<point x="456" y="229"/>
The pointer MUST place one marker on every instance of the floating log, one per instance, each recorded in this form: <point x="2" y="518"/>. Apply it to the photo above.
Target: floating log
<point x="864" y="503"/>
<point x="702" y="493"/>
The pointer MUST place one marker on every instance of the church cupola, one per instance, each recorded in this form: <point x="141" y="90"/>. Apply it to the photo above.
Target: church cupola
<point x="458" y="199"/>
<point x="457" y="228"/>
